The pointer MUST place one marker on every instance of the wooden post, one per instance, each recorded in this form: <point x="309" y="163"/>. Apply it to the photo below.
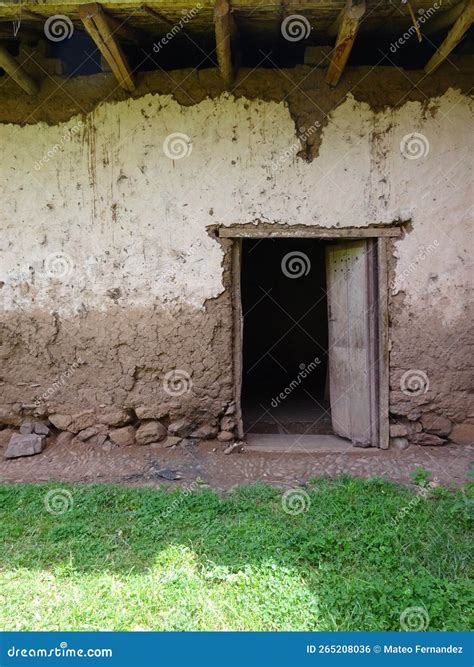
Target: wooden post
<point x="96" y="24"/>
<point x="225" y="30"/>
<point x="14" y="70"/>
<point x="455" y="35"/>
<point x="349" y="21"/>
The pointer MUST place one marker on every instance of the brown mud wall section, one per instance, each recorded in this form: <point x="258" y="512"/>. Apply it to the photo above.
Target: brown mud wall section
<point x="115" y="363"/>
<point x="108" y="367"/>
<point x="304" y="89"/>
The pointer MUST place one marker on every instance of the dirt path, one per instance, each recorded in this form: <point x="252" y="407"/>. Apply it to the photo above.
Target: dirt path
<point x="206" y="463"/>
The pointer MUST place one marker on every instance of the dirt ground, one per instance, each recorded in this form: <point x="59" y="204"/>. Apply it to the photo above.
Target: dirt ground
<point x="195" y="464"/>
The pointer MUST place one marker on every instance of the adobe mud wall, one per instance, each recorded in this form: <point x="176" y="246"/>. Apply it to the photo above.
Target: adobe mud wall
<point x="115" y="293"/>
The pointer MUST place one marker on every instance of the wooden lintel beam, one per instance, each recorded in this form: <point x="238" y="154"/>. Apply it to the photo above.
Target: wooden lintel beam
<point x="97" y="25"/>
<point x="226" y="31"/>
<point x="15" y="71"/>
<point x="349" y="21"/>
<point x="250" y="231"/>
<point x="455" y="35"/>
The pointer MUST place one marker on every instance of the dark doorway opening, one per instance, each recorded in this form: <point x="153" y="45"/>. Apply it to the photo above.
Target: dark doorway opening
<point x="285" y="336"/>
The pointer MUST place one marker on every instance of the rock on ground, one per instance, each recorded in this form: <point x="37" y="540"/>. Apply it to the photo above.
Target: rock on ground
<point x="149" y="432"/>
<point x="205" y="432"/>
<point x="225" y="436"/>
<point x="399" y="443"/>
<point x="24" y="445"/>
<point x="64" y="438"/>
<point x="436" y="424"/>
<point x="427" y="439"/>
<point x="462" y="434"/>
<point x="398" y="430"/>
<point x="114" y="417"/>
<point x="181" y="428"/>
<point x="60" y="421"/>
<point x="123" y="436"/>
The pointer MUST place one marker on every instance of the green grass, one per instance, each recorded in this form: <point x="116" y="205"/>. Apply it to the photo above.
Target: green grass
<point x="124" y="558"/>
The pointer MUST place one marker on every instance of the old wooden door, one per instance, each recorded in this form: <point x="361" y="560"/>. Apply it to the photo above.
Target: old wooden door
<point x="352" y="346"/>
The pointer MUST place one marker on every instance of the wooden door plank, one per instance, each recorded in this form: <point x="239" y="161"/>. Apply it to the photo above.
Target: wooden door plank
<point x="339" y="372"/>
<point x="351" y="377"/>
<point x="373" y="347"/>
<point x="383" y="342"/>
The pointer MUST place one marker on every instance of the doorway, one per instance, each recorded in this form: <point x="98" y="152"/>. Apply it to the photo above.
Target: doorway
<point x="311" y="349"/>
<point x="285" y="339"/>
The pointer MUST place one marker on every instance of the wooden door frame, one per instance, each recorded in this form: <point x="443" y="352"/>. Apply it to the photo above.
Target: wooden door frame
<point x="379" y="237"/>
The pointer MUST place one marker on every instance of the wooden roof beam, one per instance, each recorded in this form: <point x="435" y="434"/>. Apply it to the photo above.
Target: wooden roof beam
<point x="127" y="32"/>
<point x="226" y="35"/>
<point x="442" y="20"/>
<point x="158" y="16"/>
<point x="100" y="29"/>
<point x="349" y="21"/>
<point x="455" y="35"/>
<point x="15" y="71"/>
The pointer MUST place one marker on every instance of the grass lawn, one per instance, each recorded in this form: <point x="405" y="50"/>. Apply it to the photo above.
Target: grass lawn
<point x="120" y="558"/>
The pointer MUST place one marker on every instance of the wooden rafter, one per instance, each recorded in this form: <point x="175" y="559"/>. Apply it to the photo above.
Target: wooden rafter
<point x="99" y="28"/>
<point x="118" y="26"/>
<point x="349" y="21"/>
<point x="226" y="31"/>
<point x="442" y="20"/>
<point x="127" y="32"/>
<point x="455" y="35"/>
<point x="15" y="71"/>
